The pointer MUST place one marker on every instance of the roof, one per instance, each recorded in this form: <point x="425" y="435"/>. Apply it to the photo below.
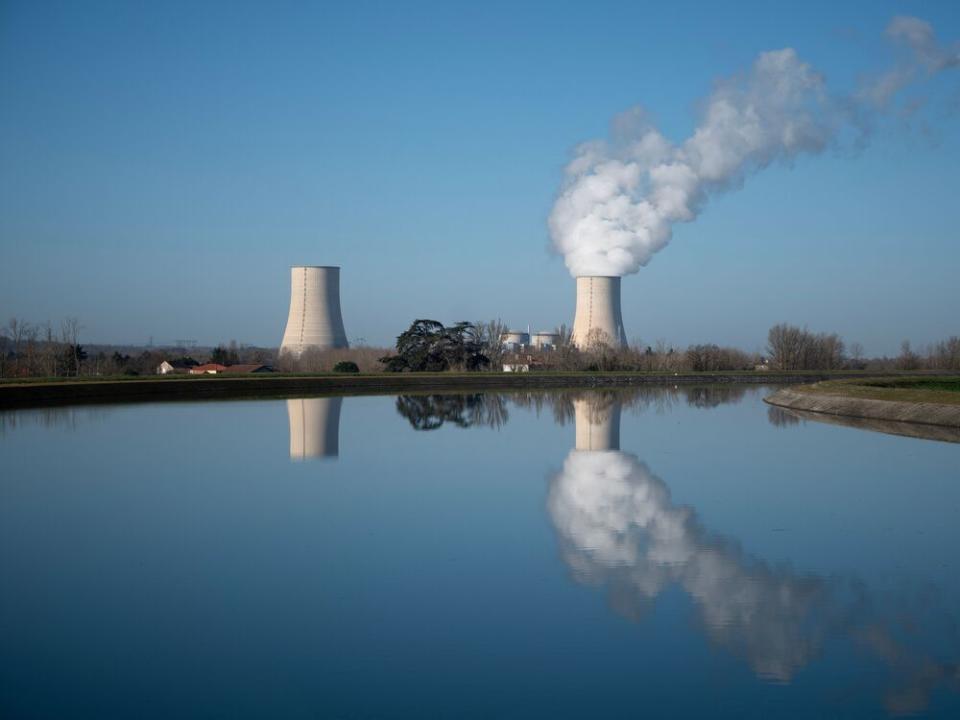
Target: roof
<point x="208" y="367"/>
<point x="180" y="363"/>
<point x="244" y="368"/>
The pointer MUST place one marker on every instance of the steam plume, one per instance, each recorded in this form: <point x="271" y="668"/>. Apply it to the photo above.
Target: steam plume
<point x="621" y="197"/>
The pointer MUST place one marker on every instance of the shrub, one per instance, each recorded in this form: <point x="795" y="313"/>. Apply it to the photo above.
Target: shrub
<point x="346" y="366"/>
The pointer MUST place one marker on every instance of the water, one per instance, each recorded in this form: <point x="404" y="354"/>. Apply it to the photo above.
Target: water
<point x="682" y="552"/>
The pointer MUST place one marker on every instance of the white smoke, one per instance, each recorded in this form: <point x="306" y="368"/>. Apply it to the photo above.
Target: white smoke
<point x="621" y="197"/>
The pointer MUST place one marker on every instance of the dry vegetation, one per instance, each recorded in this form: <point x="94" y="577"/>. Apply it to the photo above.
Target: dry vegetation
<point x="323" y="361"/>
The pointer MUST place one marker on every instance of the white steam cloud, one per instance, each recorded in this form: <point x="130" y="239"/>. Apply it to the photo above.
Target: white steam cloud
<point x="621" y="197"/>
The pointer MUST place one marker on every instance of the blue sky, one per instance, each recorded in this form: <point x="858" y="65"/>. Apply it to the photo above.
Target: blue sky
<point x="163" y="164"/>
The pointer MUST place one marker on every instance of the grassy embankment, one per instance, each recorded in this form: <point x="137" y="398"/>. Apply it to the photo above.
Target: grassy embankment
<point x="941" y="390"/>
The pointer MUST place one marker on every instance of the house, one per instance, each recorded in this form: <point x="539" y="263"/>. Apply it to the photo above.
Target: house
<point x="217" y="369"/>
<point x="180" y="365"/>
<point x="247" y="369"/>
<point x="208" y="369"/>
<point x="516" y="367"/>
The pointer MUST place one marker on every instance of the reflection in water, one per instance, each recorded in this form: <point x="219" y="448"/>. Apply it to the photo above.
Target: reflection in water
<point x="783" y="417"/>
<point x="314" y="427"/>
<point x="69" y="417"/>
<point x="710" y="396"/>
<point x="619" y="528"/>
<point x="779" y="417"/>
<point x="429" y="412"/>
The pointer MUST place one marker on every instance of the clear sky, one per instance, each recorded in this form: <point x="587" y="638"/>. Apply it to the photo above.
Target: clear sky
<point x="163" y="164"/>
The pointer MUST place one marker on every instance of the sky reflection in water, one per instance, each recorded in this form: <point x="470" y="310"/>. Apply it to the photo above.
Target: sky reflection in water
<point x="843" y="627"/>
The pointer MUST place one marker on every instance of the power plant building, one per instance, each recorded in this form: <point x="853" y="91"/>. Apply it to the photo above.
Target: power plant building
<point x="315" y="320"/>
<point x="545" y="340"/>
<point x="598" y="319"/>
<point x="515" y="340"/>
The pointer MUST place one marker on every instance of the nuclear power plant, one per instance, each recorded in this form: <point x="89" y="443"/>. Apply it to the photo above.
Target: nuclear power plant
<point x="315" y="320"/>
<point x="598" y="318"/>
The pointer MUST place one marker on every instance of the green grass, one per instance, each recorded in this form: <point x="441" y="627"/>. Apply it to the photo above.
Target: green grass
<point x="942" y="383"/>
<point x="939" y="390"/>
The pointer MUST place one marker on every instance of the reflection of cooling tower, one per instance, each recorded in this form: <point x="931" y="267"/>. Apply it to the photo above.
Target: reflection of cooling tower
<point x="598" y="316"/>
<point x="315" y="319"/>
<point x="598" y="425"/>
<point x="314" y="427"/>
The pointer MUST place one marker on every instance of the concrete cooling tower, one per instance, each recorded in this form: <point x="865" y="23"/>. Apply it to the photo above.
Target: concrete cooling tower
<point x="314" y="427"/>
<point x="315" y="320"/>
<point x="598" y="316"/>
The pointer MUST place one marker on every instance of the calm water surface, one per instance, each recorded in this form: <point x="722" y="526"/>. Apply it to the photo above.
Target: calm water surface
<point x="682" y="552"/>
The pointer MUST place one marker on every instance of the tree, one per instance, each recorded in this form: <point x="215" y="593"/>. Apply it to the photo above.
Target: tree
<point x="490" y="335"/>
<point x="908" y="359"/>
<point x="429" y="346"/>
<point x="346" y="366"/>
<point x="223" y="356"/>
<point x="786" y="346"/>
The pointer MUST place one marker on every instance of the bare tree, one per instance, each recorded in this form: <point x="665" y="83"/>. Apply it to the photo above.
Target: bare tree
<point x="490" y="334"/>
<point x="908" y="360"/>
<point x="70" y="335"/>
<point x="14" y="332"/>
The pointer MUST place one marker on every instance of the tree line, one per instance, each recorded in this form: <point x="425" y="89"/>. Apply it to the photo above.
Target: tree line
<point x="28" y="350"/>
<point x="31" y="350"/>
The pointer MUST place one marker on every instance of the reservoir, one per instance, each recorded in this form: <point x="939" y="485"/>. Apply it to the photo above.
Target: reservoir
<point x="649" y="552"/>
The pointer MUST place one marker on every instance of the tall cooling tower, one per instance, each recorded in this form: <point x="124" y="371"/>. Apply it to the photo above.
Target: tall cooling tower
<point x="598" y="316"/>
<point x="315" y="319"/>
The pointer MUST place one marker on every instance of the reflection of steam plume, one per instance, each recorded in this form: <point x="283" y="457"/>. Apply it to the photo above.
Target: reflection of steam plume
<point x="314" y="427"/>
<point x="619" y="527"/>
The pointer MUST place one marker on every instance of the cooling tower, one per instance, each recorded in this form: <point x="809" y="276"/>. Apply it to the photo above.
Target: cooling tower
<point x="598" y="316"/>
<point x="314" y="427"/>
<point x="598" y="423"/>
<point x="315" y="320"/>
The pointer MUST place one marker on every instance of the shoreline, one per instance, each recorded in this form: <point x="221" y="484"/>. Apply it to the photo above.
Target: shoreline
<point x="86" y="392"/>
<point x="830" y="406"/>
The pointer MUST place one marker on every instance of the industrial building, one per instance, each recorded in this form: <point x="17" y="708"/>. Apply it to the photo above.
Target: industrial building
<point x="518" y="340"/>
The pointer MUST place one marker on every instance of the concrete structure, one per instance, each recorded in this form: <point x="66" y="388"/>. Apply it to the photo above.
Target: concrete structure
<point x="515" y="340"/>
<point x="597" y="422"/>
<point x="314" y="427"/>
<point x="598" y="316"/>
<point x="545" y="340"/>
<point x="315" y="320"/>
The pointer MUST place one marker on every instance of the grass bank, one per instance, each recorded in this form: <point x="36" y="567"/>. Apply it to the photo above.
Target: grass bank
<point x="939" y="390"/>
<point x="923" y="400"/>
